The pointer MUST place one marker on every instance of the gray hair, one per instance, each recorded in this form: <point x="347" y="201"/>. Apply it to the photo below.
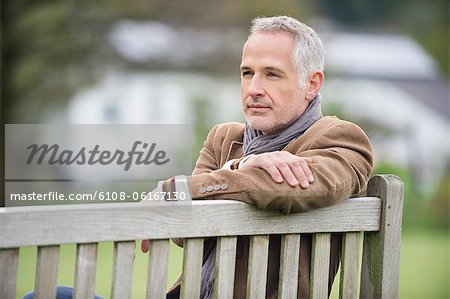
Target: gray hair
<point x="309" y="53"/>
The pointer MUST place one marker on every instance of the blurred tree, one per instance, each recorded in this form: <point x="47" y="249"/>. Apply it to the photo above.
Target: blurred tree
<point x="48" y="49"/>
<point x="53" y="48"/>
<point x="426" y="21"/>
<point x="220" y="14"/>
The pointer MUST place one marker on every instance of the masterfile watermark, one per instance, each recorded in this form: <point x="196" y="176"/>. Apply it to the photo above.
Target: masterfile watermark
<point x="52" y="154"/>
<point x="31" y="193"/>
<point x="97" y="152"/>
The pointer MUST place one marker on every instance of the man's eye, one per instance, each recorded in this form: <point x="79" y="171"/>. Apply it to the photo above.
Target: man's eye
<point x="246" y="73"/>
<point x="272" y="74"/>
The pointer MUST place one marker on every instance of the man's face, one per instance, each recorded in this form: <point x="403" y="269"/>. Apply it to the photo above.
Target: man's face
<point x="271" y="96"/>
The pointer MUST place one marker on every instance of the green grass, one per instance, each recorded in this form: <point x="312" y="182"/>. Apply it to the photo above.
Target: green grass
<point x="424" y="269"/>
<point x="424" y="266"/>
<point x="66" y="270"/>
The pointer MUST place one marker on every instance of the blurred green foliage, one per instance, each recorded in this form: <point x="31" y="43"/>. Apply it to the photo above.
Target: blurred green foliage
<point x="53" y="48"/>
<point x="429" y="211"/>
<point x="439" y="208"/>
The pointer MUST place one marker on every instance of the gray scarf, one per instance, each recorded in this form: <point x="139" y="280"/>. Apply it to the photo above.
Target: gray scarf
<point x="255" y="143"/>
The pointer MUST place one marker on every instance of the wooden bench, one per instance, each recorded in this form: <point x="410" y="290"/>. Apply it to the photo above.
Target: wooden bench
<point x="378" y="216"/>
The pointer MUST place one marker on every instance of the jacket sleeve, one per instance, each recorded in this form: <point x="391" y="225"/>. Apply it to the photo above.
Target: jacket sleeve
<point x="206" y="163"/>
<point x="342" y="164"/>
<point x="208" y="160"/>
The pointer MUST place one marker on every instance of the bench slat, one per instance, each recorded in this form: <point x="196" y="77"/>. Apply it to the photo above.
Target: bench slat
<point x="381" y="250"/>
<point x="122" y="270"/>
<point x="157" y="269"/>
<point x="320" y="263"/>
<point x="349" y="266"/>
<point x="192" y="268"/>
<point x="46" y="271"/>
<point x="257" y="266"/>
<point x="85" y="269"/>
<point x="289" y="259"/>
<point x="209" y="218"/>
<point x="8" y="272"/>
<point x="225" y="267"/>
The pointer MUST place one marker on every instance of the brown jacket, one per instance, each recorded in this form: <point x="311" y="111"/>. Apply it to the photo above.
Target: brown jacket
<point x="342" y="163"/>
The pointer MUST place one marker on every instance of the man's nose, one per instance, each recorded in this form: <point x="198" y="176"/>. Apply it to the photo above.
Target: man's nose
<point x="256" y="89"/>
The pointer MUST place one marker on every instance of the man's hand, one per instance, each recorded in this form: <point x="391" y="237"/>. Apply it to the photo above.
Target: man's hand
<point x="282" y="165"/>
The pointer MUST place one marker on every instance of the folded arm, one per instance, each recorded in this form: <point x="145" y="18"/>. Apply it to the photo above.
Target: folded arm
<point x="333" y="165"/>
<point x="341" y="163"/>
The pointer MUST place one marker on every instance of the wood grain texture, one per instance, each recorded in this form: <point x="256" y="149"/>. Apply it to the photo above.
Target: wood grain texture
<point x="381" y="250"/>
<point x="349" y="266"/>
<point x="257" y="266"/>
<point x="192" y="268"/>
<point x="379" y="215"/>
<point x="320" y="264"/>
<point x="46" y="272"/>
<point x="122" y="270"/>
<point x="157" y="269"/>
<point x="8" y="272"/>
<point x="206" y="218"/>
<point x="225" y="267"/>
<point x="86" y="266"/>
<point x="289" y="259"/>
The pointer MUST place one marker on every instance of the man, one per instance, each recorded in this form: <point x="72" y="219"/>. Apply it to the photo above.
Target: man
<point x="286" y="156"/>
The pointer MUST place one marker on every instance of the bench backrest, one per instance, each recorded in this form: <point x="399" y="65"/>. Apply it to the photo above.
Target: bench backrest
<point x="379" y="216"/>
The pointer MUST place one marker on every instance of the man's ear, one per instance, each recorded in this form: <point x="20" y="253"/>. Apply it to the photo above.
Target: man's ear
<point x="315" y="82"/>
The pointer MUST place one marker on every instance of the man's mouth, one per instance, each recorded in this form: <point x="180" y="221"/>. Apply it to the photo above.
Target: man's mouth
<point x="258" y="107"/>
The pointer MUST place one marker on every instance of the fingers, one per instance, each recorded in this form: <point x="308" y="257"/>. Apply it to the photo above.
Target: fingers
<point x="290" y="174"/>
<point x="300" y="176"/>
<point x="304" y="164"/>
<point x="303" y="173"/>
<point x="284" y="166"/>
<point x="294" y="170"/>
<point x="264" y="162"/>
<point x="145" y="246"/>
<point x="274" y="172"/>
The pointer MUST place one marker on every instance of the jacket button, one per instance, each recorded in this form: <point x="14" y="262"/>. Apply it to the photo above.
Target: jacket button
<point x="216" y="187"/>
<point x="202" y="190"/>
<point x="224" y="186"/>
<point x="209" y="188"/>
